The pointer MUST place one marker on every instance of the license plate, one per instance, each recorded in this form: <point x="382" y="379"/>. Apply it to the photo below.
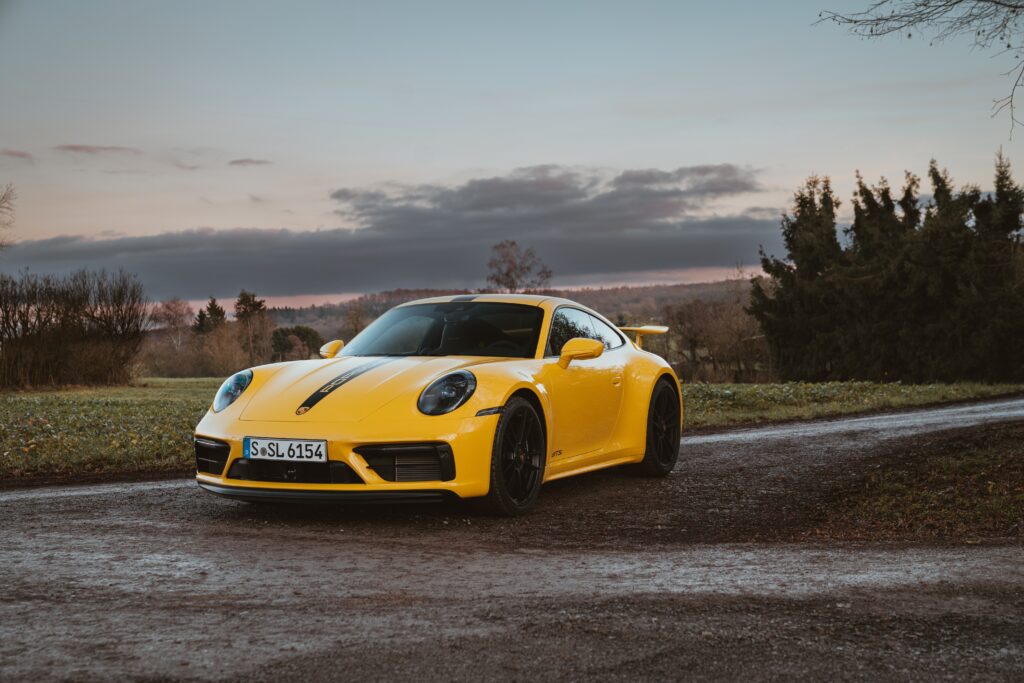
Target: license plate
<point x="284" y="449"/>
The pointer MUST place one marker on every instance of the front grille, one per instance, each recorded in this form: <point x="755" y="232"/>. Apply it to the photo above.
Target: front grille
<point x="330" y="472"/>
<point x="211" y="455"/>
<point x="410" y="461"/>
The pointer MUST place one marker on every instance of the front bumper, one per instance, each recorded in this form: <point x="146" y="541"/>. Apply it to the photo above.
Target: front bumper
<point x="470" y="439"/>
<point x="261" y="494"/>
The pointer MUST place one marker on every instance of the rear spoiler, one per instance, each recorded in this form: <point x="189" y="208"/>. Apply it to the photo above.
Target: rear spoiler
<point x="642" y="331"/>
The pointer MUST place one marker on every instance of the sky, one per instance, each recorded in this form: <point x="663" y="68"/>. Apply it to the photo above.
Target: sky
<point x="312" y="150"/>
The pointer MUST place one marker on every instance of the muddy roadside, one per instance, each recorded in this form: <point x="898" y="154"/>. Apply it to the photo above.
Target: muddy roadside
<point x="722" y="494"/>
<point x="704" y="575"/>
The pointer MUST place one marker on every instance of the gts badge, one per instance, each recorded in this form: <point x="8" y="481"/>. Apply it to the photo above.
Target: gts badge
<point x="338" y="381"/>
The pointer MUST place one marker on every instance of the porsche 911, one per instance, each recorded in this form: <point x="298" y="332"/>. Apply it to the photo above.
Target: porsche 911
<point x="480" y="397"/>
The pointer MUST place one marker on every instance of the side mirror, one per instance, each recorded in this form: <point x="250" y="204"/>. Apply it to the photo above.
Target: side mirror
<point x="579" y="348"/>
<point x="331" y="348"/>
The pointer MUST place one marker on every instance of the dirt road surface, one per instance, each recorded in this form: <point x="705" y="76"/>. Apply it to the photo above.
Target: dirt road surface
<point x="614" y="577"/>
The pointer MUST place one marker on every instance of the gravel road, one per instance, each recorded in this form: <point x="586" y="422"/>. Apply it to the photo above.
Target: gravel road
<point x="614" y="577"/>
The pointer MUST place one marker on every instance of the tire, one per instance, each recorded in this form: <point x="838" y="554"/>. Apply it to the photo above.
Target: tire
<point x="518" y="457"/>
<point x="664" y="428"/>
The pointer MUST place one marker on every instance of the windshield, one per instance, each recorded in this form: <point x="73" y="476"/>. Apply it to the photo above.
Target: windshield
<point x="452" y="329"/>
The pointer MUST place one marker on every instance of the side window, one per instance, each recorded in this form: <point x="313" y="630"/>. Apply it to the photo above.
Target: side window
<point x="567" y="324"/>
<point x="606" y="334"/>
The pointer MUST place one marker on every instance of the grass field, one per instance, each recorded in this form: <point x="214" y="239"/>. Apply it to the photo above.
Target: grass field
<point x="80" y="432"/>
<point x="961" y="486"/>
<point x="77" y="433"/>
<point x="724" y="405"/>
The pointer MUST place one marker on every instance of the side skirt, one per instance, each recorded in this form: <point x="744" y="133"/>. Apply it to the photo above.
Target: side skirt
<point x="620" y="460"/>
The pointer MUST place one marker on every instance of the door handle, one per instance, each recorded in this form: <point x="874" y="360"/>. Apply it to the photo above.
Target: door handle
<point x="617" y="380"/>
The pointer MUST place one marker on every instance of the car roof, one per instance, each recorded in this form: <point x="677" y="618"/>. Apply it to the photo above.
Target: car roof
<point x="526" y="299"/>
<point x="549" y="303"/>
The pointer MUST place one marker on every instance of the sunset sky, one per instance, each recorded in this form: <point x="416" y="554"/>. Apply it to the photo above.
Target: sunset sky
<point x="313" y="149"/>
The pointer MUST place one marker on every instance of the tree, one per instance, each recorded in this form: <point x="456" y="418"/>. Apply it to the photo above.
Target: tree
<point x="992" y="25"/>
<point x="920" y="293"/>
<point x="7" y="197"/>
<point x="295" y="343"/>
<point x="254" y="326"/>
<point x="247" y="305"/>
<point x="515" y="270"/>
<point x="209" y="318"/>
<point x="716" y="340"/>
<point x="796" y="306"/>
<point x="174" y="316"/>
<point x="355" y="317"/>
<point x="83" y="328"/>
<point x="220" y="352"/>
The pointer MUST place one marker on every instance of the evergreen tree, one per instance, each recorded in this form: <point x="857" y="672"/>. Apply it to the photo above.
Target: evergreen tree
<point x="209" y="318"/>
<point x="247" y="305"/>
<point x="796" y="308"/>
<point x="216" y="313"/>
<point x="918" y="295"/>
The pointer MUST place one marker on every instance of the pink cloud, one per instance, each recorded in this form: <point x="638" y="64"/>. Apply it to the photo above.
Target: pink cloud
<point x="97" y="149"/>
<point x="248" y="162"/>
<point x="16" y="154"/>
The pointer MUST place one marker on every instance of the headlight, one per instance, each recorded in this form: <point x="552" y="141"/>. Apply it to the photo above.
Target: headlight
<point x="447" y="393"/>
<point x="231" y="389"/>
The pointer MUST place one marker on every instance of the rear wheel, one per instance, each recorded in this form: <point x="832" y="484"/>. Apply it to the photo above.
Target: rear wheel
<point x="663" y="431"/>
<point x="517" y="460"/>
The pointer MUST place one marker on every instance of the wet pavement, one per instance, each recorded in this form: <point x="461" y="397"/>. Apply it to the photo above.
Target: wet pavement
<point x="614" y="577"/>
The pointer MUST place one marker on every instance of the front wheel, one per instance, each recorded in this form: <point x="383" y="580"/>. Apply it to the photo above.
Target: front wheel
<point x="663" y="431"/>
<point x="517" y="460"/>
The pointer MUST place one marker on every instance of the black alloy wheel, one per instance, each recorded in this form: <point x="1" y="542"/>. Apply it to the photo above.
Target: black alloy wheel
<point x="663" y="431"/>
<point x="517" y="460"/>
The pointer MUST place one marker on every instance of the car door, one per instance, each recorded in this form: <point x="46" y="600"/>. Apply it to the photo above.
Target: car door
<point x="586" y="396"/>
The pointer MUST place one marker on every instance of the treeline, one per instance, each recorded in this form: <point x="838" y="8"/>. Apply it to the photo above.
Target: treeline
<point x="185" y="343"/>
<point x="346" y="319"/>
<point x="645" y="303"/>
<point x="714" y="339"/>
<point x="85" y="328"/>
<point x="917" y="291"/>
<point x="711" y="338"/>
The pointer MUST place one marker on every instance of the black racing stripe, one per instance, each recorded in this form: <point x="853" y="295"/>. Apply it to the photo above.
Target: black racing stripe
<point x="464" y="297"/>
<point x="341" y="379"/>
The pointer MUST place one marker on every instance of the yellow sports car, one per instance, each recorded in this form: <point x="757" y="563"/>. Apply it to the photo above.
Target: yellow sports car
<point x="477" y="396"/>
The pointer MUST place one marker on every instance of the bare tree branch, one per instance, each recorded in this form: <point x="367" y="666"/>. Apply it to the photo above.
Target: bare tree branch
<point x="515" y="270"/>
<point x="7" y="197"/>
<point x="990" y="24"/>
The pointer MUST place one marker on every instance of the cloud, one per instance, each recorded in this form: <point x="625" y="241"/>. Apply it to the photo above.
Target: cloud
<point x="97" y="149"/>
<point x="766" y="212"/>
<point x="587" y="225"/>
<point x="707" y="180"/>
<point x="16" y="154"/>
<point x="248" y="162"/>
<point x="537" y="200"/>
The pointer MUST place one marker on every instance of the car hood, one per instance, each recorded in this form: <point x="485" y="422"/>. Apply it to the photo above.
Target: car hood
<point x="346" y="388"/>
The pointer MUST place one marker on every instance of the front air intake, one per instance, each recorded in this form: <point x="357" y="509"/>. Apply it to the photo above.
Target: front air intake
<point x="399" y="462"/>
<point x="211" y="455"/>
<point x="331" y="472"/>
